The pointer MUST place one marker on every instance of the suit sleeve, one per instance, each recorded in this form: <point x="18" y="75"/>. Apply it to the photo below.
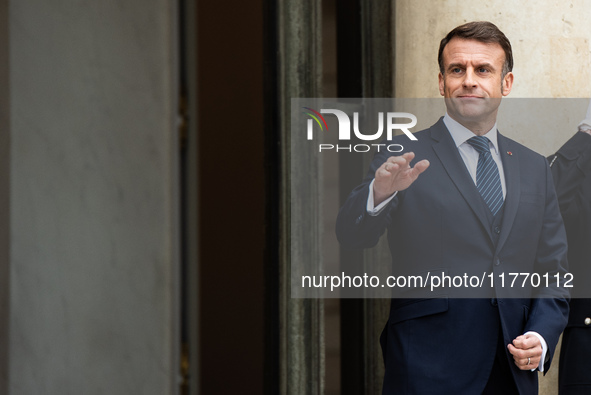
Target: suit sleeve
<point x="355" y="228"/>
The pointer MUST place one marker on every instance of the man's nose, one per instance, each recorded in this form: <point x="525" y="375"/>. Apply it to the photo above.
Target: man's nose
<point x="469" y="79"/>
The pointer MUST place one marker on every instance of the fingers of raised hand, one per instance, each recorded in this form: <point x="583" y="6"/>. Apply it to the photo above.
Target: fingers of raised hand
<point x="396" y="162"/>
<point x="386" y="170"/>
<point x="392" y="166"/>
<point x="420" y="167"/>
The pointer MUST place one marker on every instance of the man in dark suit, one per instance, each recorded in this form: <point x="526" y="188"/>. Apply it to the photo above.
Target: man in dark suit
<point x="571" y="168"/>
<point x="474" y="201"/>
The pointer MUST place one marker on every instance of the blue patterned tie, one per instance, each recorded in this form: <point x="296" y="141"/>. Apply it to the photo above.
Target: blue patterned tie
<point x="488" y="181"/>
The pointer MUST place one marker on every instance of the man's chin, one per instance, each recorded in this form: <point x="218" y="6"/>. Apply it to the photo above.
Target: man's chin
<point x="472" y="109"/>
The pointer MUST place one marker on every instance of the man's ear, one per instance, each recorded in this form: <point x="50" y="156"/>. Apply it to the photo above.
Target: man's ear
<point x="441" y="85"/>
<point x="507" y="84"/>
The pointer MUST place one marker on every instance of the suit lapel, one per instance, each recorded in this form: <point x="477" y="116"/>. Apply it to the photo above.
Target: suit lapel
<point x="511" y="169"/>
<point x="453" y="164"/>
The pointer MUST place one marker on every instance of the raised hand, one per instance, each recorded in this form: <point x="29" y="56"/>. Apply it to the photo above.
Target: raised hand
<point x="396" y="175"/>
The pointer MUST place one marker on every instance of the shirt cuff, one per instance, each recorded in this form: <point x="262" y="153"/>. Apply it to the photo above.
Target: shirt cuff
<point x="544" y="350"/>
<point x="374" y="211"/>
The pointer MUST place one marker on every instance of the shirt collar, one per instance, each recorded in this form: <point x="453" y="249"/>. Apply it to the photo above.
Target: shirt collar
<point x="461" y="134"/>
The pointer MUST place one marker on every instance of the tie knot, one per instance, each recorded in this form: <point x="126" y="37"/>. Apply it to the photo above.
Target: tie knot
<point x="480" y="144"/>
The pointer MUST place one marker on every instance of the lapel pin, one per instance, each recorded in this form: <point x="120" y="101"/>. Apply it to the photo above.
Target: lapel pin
<point x="509" y="153"/>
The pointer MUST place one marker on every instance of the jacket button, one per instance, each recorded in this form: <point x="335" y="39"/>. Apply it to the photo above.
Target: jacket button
<point x="587" y="321"/>
<point x="497" y="230"/>
<point x="493" y="301"/>
<point x="497" y="262"/>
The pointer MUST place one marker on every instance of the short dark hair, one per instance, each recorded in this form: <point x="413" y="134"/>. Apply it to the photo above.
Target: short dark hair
<point x="484" y="32"/>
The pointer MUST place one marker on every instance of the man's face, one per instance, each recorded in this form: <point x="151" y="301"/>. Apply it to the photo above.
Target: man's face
<point x="472" y="83"/>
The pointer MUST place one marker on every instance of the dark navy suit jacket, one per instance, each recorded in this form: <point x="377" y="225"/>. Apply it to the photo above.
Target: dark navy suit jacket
<point x="446" y="345"/>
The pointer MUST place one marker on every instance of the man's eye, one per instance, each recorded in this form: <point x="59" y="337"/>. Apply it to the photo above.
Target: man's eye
<point x="456" y="70"/>
<point x="483" y="70"/>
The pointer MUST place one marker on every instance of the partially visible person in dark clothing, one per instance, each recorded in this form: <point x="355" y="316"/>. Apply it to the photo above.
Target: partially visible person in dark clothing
<point x="571" y="169"/>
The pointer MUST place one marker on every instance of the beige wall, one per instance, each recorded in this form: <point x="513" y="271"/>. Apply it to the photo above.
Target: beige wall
<point x="551" y="49"/>
<point x="552" y="54"/>
<point x="550" y="39"/>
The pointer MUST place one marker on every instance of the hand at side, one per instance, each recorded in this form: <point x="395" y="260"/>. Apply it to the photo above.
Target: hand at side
<point x="526" y="351"/>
